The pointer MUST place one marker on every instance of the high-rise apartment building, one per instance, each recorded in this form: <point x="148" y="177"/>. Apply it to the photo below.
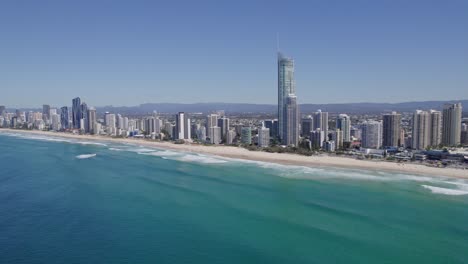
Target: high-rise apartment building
<point x="286" y="88"/>
<point x="307" y="126"/>
<point x="451" y="124"/>
<point x="421" y="130"/>
<point x="46" y="112"/>
<point x="436" y="128"/>
<point x="182" y="126"/>
<point x="290" y="134"/>
<point x="76" y="112"/>
<point x="391" y="130"/>
<point x="343" y="122"/>
<point x="263" y="136"/>
<point x="92" y="120"/>
<point x="64" y="117"/>
<point x="321" y="121"/>
<point x="371" y="134"/>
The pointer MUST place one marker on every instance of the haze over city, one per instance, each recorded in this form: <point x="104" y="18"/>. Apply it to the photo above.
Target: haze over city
<point x="122" y="53"/>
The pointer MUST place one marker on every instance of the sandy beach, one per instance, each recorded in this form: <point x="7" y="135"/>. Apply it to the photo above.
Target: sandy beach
<point x="280" y="158"/>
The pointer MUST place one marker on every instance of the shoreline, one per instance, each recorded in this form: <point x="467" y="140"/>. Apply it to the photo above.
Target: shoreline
<point x="278" y="158"/>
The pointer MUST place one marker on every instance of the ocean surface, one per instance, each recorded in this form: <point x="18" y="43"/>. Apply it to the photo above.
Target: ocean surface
<point x="71" y="201"/>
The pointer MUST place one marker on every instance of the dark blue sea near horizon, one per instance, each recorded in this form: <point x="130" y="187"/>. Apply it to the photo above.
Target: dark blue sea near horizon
<point x="70" y="201"/>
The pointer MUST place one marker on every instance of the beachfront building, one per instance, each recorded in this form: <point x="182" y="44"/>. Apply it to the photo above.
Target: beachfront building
<point x="391" y="130"/>
<point x="64" y="117"/>
<point x="223" y="123"/>
<point x="230" y="136"/>
<point x="272" y="124"/>
<point x="76" y="112"/>
<point x="291" y="122"/>
<point x="317" y="137"/>
<point x="436" y="128"/>
<point x="263" y="136"/>
<point x="286" y="88"/>
<point x="451" y="124"/>
<point x="182" y="126"/>
<point x="343" y="123"/>
<point x="215" y="133"/>
<point x="321" y="121"/>
<point x="307" y="126"/>
<point x="246" y="135"/>
<point x="371" y="135"/>
<point x="92" y="120"/>
<point x="45" y="112"/>
<point x="421" y="128"/>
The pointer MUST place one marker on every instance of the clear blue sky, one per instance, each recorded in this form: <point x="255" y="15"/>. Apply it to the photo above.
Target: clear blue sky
<point x="132" y="52"/>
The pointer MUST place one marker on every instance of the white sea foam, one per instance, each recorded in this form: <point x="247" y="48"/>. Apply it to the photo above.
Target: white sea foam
<point x="116" y="149"/>
<point x="85" y="156"/>
<point x="140" y="150"/>
<point x="92" y="143"/>
<point x="445" y="191"/>
<point x="165" y="153"/>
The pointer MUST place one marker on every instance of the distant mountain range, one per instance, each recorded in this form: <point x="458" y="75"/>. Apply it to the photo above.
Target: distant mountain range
<point x="358" y="108"/>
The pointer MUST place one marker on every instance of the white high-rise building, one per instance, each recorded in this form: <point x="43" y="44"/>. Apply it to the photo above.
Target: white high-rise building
<point x="263" y="136"/>
<point x="317" y="137"/>
<point x="56" y="125"/>
<point x="337" y="137"/>
<point x="343" y="122"/>
<point x="92" y="120"/>
<point x="421" y="137"/>
<point x="451" y="124"/>
<point x="182" y="126"/>
<point x="110" y="124"/>
<point x="215" y="133"/>
<point x="211" y="121"/>
<point x="371" y="134"/>
<point x="230" y="135"/>
<point x="321" y="121"/>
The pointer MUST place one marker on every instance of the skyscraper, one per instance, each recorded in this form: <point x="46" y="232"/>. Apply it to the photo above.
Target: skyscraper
<point x="343" y="122"/>
<point x="45" y="112"/>
<point x="421" y="130"/>
<point x="307" y="126"/>
<point x="263" y="136"/>
<point x="84" y="113"/>
<point x="436" y="128"/>
<point x="223" y="123"/>
<point x="371" y="134"/>
<point x="321" y="121"/>
<point x="91" y="119"/>
<point x="64" y="117"/>
<point x="290" y="122"/>
<point x="182" y="126"/>
<point x="211" y="121"/>
<point x="391" y="130"/>
<point x="451" y="124"/>
<point x="2" y="110"/>
<point x="76" y="112"/>
<point x="286" y="88"/>
<point x="246" y="135"/>
<point x="272" y="124"/>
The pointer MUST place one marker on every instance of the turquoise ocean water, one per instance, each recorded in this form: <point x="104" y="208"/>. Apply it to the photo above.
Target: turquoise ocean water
<point x="71" y="201"/>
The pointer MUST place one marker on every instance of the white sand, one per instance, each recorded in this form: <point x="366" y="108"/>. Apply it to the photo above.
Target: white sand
<point x="281" y="158"/>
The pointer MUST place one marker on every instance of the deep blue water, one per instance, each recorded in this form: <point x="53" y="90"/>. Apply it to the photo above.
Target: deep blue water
<point x="131" y="204"/>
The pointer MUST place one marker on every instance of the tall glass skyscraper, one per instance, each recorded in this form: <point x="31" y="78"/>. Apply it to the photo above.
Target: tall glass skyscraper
<point x="76" y="112"/>
<point x="286" y="88"/>
<point x="64" y="117"/>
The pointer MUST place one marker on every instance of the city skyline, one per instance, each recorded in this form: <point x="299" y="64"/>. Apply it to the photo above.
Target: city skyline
<point x="126" y="55"/>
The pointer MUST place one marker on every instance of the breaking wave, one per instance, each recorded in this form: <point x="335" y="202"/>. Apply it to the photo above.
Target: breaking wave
<point x="85" y="156"/>
<point x="446" y="191"/>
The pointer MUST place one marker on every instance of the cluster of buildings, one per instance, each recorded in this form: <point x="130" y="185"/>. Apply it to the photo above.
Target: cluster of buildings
<point x="314" y="131"/>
